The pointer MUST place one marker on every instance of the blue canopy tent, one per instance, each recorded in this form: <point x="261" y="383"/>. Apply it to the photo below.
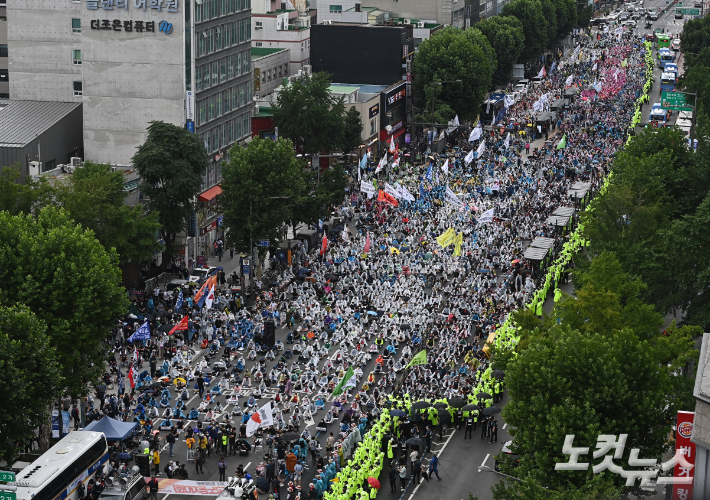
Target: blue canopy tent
<point x="114" y="430"/>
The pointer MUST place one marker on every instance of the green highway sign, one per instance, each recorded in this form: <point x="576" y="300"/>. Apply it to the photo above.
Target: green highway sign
<point x="8" y="495"/>
<point x="8" y="477"/>
<point x="688" y="12"/>
<point x="675" y="101"/>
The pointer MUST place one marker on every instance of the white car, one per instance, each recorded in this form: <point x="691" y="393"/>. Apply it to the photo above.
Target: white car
<point x="685" y="115"/>
<point x="521" y="88"/>
<point x="675" y="44"/>
<point x="200" y="274"/>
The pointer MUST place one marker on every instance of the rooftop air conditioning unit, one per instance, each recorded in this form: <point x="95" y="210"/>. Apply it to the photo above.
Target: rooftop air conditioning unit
<point x="407" y="21"/>
<point x="69" y="169"/>
<point x="308" y="69"/>
<point x="420" y="24"/>
<point x="35" y="168"/>
<point x="75" y="161"/>
<point x="300" y="73"/>
<point x="256" y="110"/>
<point x="358" y="7"/>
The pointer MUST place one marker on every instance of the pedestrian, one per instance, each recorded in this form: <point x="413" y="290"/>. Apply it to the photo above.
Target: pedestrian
<point x="152" y="486"/>
<point x="469" y="427"/>
<point x="199" y="460"/>
<point x="222" y="469"/>
<point x="493" y="427"/>
<point x="201" y="385"/>
<point x="527" y="148"/>
<point x="170" y="438"/>
<point x="434" y="466"/>
<point x="80" y="490"/>
<point x="484" y="428"/>
<point x="403" y="476"/>
<point x="417" y="472"/>
<point x="156" y="461"/>
<point x="393" y="478"/>
<point x="427" y="438"/>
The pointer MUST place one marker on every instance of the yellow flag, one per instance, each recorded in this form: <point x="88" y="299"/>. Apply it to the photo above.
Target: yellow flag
<point x="446" y="238"/>
<point x="458" y="241"/>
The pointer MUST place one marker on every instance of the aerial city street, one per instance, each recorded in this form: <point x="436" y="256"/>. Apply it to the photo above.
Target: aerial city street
<point x="292" y="251"/>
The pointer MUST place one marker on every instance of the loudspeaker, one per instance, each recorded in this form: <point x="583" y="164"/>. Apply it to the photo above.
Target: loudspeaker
<point x="269" y="333"/>
<point x="143" y="462"/>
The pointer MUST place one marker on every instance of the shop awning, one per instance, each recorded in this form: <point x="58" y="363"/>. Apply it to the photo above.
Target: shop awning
<point x="210" y="193"/>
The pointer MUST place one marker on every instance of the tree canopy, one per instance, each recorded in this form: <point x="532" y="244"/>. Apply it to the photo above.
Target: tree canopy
<point x="530" y="13"/>
<point x="171" y="163"/>
<point x="449" y="55"/>
<point x="309" y="115"/>
<point x="352" y="130"/>
<point x="93" y="195"/>
<point x="255" y="174"/>
<point x="63" y="275"/>
<point x="506" y="36"/>
<point x="29" y="369"/>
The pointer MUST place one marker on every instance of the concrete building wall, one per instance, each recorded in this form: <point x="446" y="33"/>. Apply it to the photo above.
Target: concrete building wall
<point x="40" y="44"/>
<point x="439" y="10"/>
<point x="277" y="33"/>
<point x="4" y="75"/>
<point x="130" y="78"/>
<point x="271" y="70"/>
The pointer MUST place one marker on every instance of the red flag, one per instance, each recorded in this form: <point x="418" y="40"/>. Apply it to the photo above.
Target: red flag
<point x="324" y="246"/>
<point x="367" y="243"/>
<point x="396" y="153"/>
<point x="131" y="376"/>
<point x="203" y="290"/>
<point x="183" y="325"/>
<point x="387" y="198"/>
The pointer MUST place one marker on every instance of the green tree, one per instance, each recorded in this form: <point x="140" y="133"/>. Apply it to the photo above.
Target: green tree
<point x="352" y="132"/>
<point x="584" y="14"/>
<point x="309" y="115"/>
<point x="171" y="163"/>
<point x="566" y="17"/>
<point x="94" y="196"/>
<point x="253" y="176"/>
<point x="550" y="14"/>
<point x="449" y="55"/>
<point x="530" y="14"/>
<point x="29" y="369"/>
<point x="18" y="196"/>
<point x="506" y="36"/>
<point x="68" y="280"/>
<point x="586" y="384"/>
<point x="696" y="35"/>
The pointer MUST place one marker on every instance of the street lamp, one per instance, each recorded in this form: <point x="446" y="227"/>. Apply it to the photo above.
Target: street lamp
<point x="485" y="468"/>
<point x="433" y="92"/>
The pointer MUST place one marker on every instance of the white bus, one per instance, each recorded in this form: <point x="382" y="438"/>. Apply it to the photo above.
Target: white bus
<point x="79" y="456"/>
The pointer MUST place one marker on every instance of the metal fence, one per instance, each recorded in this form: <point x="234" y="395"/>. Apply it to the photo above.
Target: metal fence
<point x="161" y="279"/>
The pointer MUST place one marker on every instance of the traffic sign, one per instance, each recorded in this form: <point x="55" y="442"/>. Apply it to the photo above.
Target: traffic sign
<point x="262" y="243"/>
<point x="245" y="266"/>
<point x="675" y="101"/>
<point x="654" y="124"/>
<point x="688" y="12"/>
<point x="8" y="477"/>
<point x="8" y="495"/>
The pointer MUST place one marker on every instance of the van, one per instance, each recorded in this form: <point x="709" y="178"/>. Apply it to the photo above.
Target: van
<point x="684" y="125"/>
<point x="125" y="488"/>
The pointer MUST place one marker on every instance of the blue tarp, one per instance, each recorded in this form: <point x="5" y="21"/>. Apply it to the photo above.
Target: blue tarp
<point x="114" y="430"/>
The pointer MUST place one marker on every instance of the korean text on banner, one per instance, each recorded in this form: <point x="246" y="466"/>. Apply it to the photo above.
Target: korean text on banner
<point x="685" y="449"/>
<point x="368" y="189"/>
<point x="180" y="487"/>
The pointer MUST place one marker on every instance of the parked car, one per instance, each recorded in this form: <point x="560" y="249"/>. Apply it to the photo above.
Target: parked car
<point x="522" y="86"/>
<point x="200" y="274"/>
<point x="675" y="44"/>
<point x="505" y="455"/>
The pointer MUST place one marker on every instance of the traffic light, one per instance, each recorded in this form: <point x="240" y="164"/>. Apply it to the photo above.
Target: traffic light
<point x="192" y="225"/>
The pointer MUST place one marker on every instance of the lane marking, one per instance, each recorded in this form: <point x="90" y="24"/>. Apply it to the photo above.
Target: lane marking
<point x="505" y="425"/>
<point x="483" y="464"/>
<point x="439" y="453"/>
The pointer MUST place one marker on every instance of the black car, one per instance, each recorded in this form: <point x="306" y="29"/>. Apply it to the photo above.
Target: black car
<point x="506" y="455"/>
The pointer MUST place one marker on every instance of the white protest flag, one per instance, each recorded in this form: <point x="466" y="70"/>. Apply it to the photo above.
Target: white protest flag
<point x="594" y="68"/>
<point x="452" y="198"/>
<point x="541" y="73"/>
<point x="569" y="80"/>
<point x="469" y="157"/>
<point x="475" y="134"/>
<point x="445" y="167"/>
<point x="406" y="195"/>
<point x="367" y="188"/>
<point x="260" y="418"/>
<point x="481" y="148"/>
<point x="383" y="162"/>
<point x="508" y="101"/>
<point x="486" y="216"/>
<point x="506" y="143"/>
<point x="391" y="190"/>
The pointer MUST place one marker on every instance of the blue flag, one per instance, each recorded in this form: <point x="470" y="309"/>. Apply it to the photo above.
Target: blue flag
<point x="428" y="173"/>
<point x="421" y="190"/>
<point x="180" y="300"/>
<point x="143" y="333"/>
<point x="363" y="162"/>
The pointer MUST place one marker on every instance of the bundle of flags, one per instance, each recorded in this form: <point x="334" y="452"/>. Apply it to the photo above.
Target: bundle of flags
<point x="347" y="382"/>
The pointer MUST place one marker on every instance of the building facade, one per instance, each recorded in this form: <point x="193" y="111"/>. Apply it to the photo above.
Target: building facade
<point x="4" y="75"/>
<point x="270" y="67"/>
<point x="130" y="62"/>
<point x="285" y="29"/>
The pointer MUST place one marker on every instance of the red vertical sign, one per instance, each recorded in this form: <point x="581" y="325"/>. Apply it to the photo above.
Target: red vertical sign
<point x="686" y="449"/>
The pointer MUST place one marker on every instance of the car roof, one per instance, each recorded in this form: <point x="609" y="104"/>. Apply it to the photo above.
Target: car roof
<point x="506" y="447"/>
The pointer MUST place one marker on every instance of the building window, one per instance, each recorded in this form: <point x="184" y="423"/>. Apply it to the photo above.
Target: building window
<point x="268" y="75"/>
<point x="235" y="104"/>
<point x="210" y="41"/>
<point x="280" y="71"/>
<point x="258" y="25"/>
<point x="218" y="38"/>
<point x="238" y="128"/>
<point x="3" y="50"/>
<point x="336" y="8"/>
<point x="222" y="70"/>
<point x="76" y="56"/>
<point x="373" y="129"/>
<point x="242" y="31"/>
<point x="202" y="111"/>
<point x="259" y="44"/>
<point x="206" y="76"/>
<point x="286" y="69"/>
<point x="218" y="104"/>
<point x="227" y="103"/>
<point x="76" y="25"/>
<point x="230" y="6"/>
<point x="78" y="89"/>
<point x="237" y="64"/>
<point x="222" y="7"/>
<point x="215" y="73"/>
<point x="4" y="76"/>
<point x="242" y="95"/>
<point x="230" y="68"/>
<point x="198" y="78"/>
<point x="210" y="108"/>
<point x="246" y="128"/>
<point x="246" y="62"/>
<point x="198" y="12"/>
<point x="215" y="138"/>
<point x="230" y="131"/>
<point x="248" y="23"/>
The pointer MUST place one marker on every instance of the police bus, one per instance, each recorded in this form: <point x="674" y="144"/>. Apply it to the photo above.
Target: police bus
<point x="667" y="81"/>
<point x="77" y="457"/>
